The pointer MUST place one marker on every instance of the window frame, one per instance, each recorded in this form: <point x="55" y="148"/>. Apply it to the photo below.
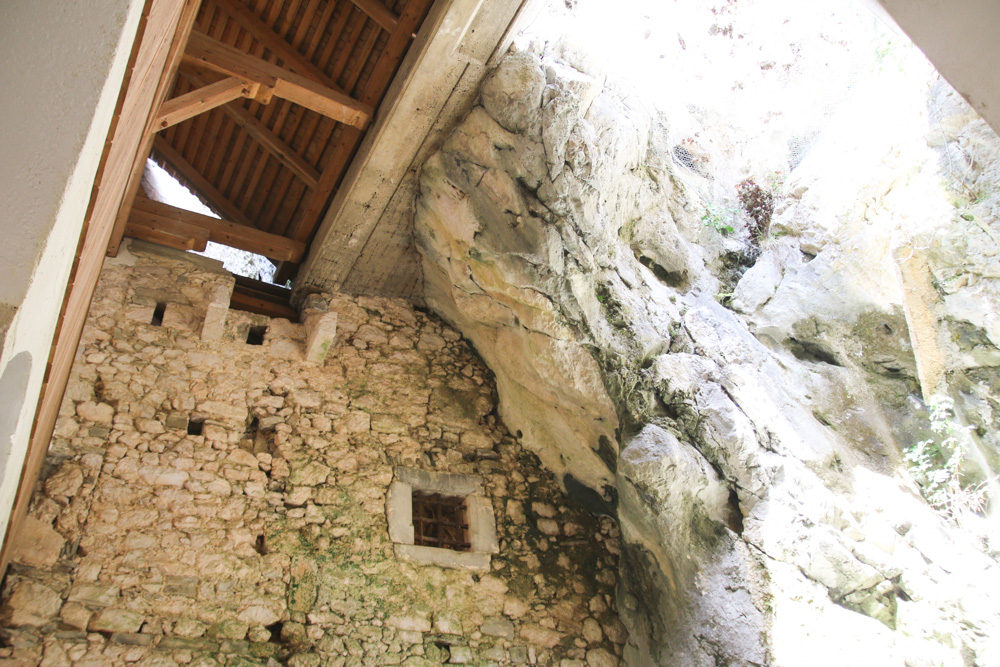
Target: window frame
<point x="479" y="513"/>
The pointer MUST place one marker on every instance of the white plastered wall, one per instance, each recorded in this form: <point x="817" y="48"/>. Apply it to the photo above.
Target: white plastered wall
<point x="61" y="69"/>
<point x="960" y="38"/>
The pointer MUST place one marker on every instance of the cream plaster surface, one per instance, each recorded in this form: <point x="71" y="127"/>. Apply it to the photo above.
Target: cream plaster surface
<point x="62" y="68"/>
<point x="959" y="37"/>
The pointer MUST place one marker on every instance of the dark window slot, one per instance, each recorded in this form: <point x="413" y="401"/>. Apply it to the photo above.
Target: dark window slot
<point x="256" y="335"/>
<point x="440" y="521"/>
<point x="195" y="426"/>
<point x="161" y="307"/>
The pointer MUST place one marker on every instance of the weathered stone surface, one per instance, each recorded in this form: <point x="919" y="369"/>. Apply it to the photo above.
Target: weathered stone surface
<point x="31" y="604"/>
<point x="36" y="543"/>
<point x="264" y="536"/>
<point x="744" y="475"/>
<point x="116" y="620"/>
<point x="102" y="413"/>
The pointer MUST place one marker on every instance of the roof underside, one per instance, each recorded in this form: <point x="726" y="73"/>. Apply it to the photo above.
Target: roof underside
<point x="274" y="166"/>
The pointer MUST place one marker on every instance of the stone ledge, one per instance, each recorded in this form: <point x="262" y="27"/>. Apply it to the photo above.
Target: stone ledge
<point x="442" y="557"/>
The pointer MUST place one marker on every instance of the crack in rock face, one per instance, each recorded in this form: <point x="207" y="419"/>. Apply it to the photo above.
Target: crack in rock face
<point x="751" y="457"/>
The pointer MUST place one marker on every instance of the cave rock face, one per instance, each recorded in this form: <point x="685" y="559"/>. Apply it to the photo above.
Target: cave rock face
<point x="755" y="474"/>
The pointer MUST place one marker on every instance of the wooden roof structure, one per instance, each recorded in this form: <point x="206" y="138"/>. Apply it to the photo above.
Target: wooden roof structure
<point x="269" y="105"/>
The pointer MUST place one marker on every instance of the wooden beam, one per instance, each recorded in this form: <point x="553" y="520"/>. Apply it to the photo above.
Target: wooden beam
<point x="262" y="298"/>
<point x="200" y="100"/>
<point x="379" y="80"/>
<point x="378" y="12"/>
<point x="166" y="231"/>
<point x="147" y="213"/>
<point x="265" y="137"/>
<point x="213" y="54"/>
<point x="155" y="55"/>
<point x="172" y="54"/>
<point x="271" y="40"/>
<point x="202" y="185"/>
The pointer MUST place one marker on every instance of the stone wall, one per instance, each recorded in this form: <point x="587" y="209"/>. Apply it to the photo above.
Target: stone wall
<point x="263" y="539"/>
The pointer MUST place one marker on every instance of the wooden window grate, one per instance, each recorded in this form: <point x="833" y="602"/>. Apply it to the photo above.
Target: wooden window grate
<point x="440" y="521"/>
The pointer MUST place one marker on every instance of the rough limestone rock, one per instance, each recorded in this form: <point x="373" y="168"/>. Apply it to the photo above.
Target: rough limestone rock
<point x="753" y="455"/>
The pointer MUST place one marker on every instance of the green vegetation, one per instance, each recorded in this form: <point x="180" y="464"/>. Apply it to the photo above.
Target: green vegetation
<point x="719" y="218"/>
<point x="936" y="465"/>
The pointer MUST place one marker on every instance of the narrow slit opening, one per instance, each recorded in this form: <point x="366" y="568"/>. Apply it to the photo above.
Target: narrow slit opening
<point x="161" y="307"/>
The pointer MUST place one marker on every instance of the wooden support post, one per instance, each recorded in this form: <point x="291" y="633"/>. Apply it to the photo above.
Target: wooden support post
<point x="206" y="98"/>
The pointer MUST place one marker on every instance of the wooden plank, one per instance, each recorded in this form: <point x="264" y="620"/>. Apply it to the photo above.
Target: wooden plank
<point x="256" y="303"/>
<point x="213" y="54"/>
<point x="184" y="23"/>
<point x="162" y="35"/>
<point x="378" y="13"/>
<point x="148" y="213"/>
<point x="202" y="99"/>
<point x="166" y="231"/>
<point x="215" y="199"/>
<point x="292" y="59"/>
<point x="266" y="138"/>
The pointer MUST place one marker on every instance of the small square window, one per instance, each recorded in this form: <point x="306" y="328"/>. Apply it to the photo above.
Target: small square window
<point x="441" y="519"/>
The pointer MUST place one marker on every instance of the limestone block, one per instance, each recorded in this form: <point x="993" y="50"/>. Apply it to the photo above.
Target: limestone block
<point x="399" y="512"/>
<point x="540" y="636"/>
<point x="498" y="627"/>
<point x="412" y="623"/>
<point x="321" y="333"/>
<point x="31" y="603"/>
<point x="442" y="557"/>
<point x="116" y="620"/>
<point x="101" y="413"/>
<point x="37" y="543"/>
<point x="482" y="524"/>
<point x="216" y="311"/>
<point x="176" y="316"/>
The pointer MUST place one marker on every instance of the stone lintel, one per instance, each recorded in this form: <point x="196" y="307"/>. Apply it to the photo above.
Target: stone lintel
<point x="448" y="484"/>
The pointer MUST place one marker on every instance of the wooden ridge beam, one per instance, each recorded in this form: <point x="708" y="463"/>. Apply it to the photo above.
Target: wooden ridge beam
<point x="381" y="76"/>
<point x="274" y="144"/>
<point x="148" y="214"/>
<point x="200" y="100"/>
<point x="202" y="185"/>
<point x="271" y="40"/>
<point x="207" y="52"/>
<point x="378" y="12"/>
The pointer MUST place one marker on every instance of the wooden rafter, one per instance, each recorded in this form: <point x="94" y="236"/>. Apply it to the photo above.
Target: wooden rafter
<point x="265" y="137"/>
<point x="213" y="54"/>
<point x="213" y="197"/>
<point x="378" y="12"/>
<point x="272" y="41"/>
<point x="150" y="217"/>
<point x="200" y="100"/>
